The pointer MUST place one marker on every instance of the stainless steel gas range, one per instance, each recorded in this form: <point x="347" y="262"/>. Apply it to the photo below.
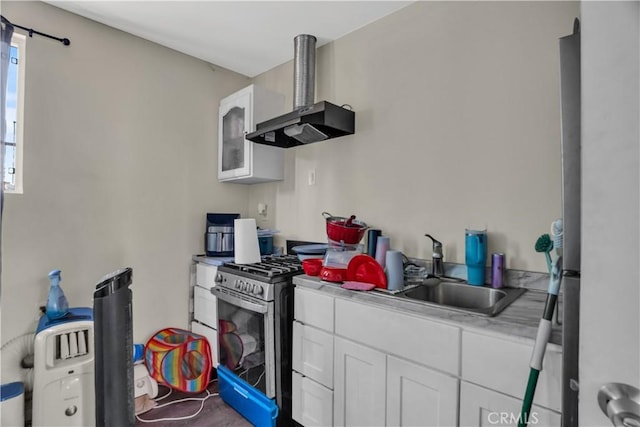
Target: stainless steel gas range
<point x="255" y="315"/>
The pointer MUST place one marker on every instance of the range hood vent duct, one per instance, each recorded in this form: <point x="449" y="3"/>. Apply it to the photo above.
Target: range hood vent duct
<point x="304" y="71"/>
<point x="308" y="122"/>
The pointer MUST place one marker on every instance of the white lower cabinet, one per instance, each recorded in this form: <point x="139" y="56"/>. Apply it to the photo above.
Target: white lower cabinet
<point x="312" y="403"/>
<point x="205" y="312"/>
<point x="359" y="385"/>
<point x="419" y="396"/>
<point x="390" y="368"/>
<point x="483" y="407"/>
<point x="312" y="359"/>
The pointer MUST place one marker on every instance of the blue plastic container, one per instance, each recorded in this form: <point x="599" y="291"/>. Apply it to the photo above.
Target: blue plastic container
<point x="475" y="255"/>
<point x="250" y="402"/>
<point x="12" y="404"/>
<point x="266" y="245"/>
<point x="11" y="390"/>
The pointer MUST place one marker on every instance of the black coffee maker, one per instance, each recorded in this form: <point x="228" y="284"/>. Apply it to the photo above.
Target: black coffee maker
<point x="218" y="237"/>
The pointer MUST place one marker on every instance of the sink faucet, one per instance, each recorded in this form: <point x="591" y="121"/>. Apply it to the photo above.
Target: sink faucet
<point x="437" y="266"/>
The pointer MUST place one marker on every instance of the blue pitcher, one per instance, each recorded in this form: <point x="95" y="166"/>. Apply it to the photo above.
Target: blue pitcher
<point x="475" y="242"/>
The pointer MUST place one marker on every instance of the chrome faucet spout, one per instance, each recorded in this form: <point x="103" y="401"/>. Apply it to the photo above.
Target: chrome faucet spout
<point x="437" y="259"/>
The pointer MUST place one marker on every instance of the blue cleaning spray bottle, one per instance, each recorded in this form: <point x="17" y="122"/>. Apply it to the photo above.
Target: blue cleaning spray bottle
<point x="57" y="305"/>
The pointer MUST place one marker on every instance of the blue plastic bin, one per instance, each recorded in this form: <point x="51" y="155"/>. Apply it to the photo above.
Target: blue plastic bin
<point x="247" y="400"/>
<point x="12" y="404"/>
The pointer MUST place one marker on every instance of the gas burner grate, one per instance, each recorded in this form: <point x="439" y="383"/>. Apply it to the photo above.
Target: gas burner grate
<point x="270" y="266"/>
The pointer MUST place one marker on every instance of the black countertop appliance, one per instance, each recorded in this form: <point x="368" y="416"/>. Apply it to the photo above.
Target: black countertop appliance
<point x="219" y="234"/>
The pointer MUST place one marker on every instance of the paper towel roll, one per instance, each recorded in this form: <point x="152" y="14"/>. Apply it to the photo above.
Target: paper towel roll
<point x="246" y="248"/>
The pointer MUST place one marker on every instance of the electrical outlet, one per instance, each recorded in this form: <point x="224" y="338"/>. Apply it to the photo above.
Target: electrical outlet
<point x="312" y="177"/>
<point x="262" y="209"/>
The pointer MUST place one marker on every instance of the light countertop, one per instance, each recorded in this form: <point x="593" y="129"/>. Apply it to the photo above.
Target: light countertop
<point x="519" y="320"/>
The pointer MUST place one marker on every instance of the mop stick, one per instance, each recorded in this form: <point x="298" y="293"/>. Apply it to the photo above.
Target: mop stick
<point x="544" y="331"/>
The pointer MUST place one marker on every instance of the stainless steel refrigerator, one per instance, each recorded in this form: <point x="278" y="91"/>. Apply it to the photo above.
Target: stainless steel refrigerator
<point x="571" y="189"/>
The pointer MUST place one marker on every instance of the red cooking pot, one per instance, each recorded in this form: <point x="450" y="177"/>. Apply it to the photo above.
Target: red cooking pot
<point x="346" y="230"/>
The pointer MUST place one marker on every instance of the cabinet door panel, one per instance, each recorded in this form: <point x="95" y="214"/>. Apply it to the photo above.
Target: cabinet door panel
<point x="503" y="365"/>
<point x="394" y="332"/>
<point x="312" y="403"/>
<point x="205" y="308"/>
<point x="359" y="385"/>
<point x="314" y="308"/>
<point x="313" y="353"/>
<point x="212" y="337"/>
<point x="419" y="396"/>
<point x="233" y="150"/>
<point x="485" y="408"/>
<point x="206" y="275"/>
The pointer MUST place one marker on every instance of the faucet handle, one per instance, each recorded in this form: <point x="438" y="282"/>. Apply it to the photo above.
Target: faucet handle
<point x="437" y="245"/>
<point x="437" y="267"/>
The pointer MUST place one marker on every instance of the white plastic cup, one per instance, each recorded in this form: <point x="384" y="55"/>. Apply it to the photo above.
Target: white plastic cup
<point x="394" y="270"/>
<point x="382" y="246"/>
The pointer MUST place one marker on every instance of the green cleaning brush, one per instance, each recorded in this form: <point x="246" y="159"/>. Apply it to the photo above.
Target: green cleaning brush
<point x="545" y="244"/>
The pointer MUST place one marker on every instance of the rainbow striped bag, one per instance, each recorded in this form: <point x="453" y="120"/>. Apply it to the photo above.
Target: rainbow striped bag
<point x="179" y="359"/>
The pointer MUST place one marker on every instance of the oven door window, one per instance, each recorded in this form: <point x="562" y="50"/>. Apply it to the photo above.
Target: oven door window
<point x="245" y="340"/>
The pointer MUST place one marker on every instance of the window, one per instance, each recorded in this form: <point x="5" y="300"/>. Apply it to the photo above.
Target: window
<point x="14" y="106"/>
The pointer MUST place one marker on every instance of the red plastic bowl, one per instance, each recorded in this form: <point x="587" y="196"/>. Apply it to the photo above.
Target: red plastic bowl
<point x="333" y="274"/>
<point x="312" y="266"/>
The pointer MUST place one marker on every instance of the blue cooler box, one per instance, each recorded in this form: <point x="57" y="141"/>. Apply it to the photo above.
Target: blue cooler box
<point x="248" y="401"/>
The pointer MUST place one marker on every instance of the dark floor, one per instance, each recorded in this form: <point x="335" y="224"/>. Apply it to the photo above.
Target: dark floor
<point x="214" y="413"/>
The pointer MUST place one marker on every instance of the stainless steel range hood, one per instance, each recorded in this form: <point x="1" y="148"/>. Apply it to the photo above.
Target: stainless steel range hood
<point x="308" y="122"/>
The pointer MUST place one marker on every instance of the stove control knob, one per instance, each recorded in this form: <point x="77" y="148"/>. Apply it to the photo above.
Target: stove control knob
<point x="257" y="290"/>
<point x="250" y="288"/>
<point x="237" y="284"/>
<point x="218" y="279"/>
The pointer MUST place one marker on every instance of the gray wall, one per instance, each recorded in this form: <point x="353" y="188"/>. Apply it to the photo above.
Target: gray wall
<point x="457" y="124"/>
<point x="119" y="169"/>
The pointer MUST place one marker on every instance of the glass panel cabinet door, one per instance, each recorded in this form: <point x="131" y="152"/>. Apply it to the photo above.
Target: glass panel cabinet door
<point x="234" y="152"/>
<point x="240" y="160"/>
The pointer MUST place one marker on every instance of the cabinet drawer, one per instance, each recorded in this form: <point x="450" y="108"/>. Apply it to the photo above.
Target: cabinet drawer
<point x="313" y="353"/>
<point x="206" y="275"/>
<point x="482" y="407"/>
<point x="212" y="337"/>
<point x="312" y="403"/>
<point x="503" y="365"/>
<point x="204" y="307"/>
<point x="428" y="343"/>
<point x="313" y="308"/>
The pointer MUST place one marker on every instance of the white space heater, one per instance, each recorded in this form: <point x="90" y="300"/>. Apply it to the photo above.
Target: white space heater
<point x="63" y="371"/>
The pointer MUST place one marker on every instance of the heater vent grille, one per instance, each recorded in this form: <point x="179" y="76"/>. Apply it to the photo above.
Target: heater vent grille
<point x="71" y="344"/>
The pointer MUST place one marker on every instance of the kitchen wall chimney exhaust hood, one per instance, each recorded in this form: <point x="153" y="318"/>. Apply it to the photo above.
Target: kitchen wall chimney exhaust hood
<point x="308" y="122"/>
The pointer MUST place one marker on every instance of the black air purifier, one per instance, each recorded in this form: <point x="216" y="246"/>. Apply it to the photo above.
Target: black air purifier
<point x="113" y="335"/>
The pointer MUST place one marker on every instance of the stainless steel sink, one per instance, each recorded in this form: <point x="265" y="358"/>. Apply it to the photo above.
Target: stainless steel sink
<point x="464" y="297"/>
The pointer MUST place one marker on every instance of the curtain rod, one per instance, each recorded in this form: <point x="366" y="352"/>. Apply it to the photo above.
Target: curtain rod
<point x="65" y="41"/>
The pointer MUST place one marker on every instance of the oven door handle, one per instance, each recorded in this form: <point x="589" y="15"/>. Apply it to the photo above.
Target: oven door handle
<point x="247" y="305"/>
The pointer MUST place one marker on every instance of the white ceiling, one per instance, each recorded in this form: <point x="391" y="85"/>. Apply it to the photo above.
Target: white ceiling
<point x="249" y="37"/>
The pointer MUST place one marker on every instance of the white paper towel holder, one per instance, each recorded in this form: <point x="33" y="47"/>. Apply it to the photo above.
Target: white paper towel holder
<point x="246" y="247"/>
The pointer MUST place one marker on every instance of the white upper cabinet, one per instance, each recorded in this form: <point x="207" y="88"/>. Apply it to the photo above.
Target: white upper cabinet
<point x="240" y="160"/>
